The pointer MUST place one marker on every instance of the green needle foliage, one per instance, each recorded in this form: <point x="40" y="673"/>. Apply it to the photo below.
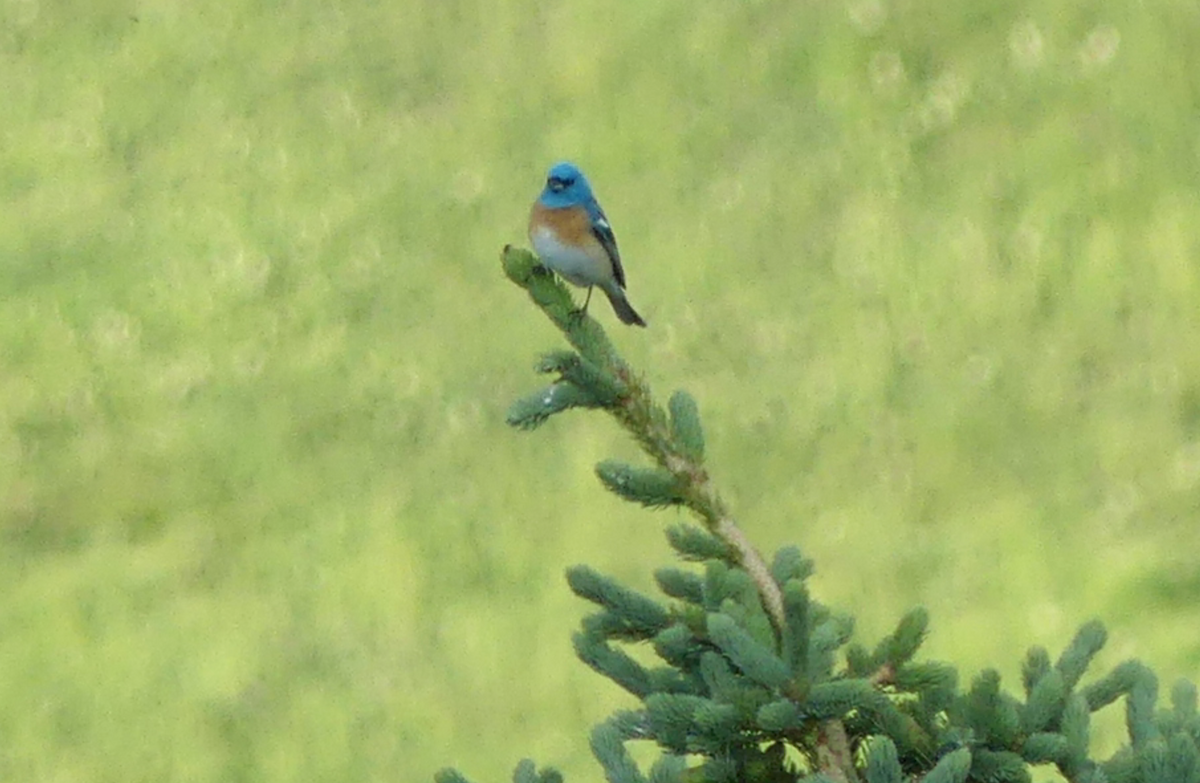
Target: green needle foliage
<point x="759" y="683"/>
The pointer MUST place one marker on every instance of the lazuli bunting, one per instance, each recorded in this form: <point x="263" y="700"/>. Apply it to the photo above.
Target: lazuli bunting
<point x="572" y="236"/>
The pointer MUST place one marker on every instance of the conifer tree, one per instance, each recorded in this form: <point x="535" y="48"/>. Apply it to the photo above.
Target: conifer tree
<point x="760" y="683"/>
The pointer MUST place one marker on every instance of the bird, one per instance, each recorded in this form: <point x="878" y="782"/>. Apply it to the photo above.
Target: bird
<point x="571" y="235"/>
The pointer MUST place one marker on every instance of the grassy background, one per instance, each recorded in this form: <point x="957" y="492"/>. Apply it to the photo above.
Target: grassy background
<point x="930" y="270"/>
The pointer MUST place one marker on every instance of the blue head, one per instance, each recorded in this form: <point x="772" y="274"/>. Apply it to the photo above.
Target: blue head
<point x="565" y="187"/>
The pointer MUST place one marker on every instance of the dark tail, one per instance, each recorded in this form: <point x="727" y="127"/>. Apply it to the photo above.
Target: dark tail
<point x="622" y="308"/>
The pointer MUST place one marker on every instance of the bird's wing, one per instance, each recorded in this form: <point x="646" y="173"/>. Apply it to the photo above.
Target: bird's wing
<point x="608" y="240"/>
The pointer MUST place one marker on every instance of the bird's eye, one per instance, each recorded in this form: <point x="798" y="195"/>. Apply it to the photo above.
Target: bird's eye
<point x="559" y="183"/>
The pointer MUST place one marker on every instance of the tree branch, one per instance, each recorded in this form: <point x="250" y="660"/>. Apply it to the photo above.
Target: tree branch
<point x="645" y="420"/>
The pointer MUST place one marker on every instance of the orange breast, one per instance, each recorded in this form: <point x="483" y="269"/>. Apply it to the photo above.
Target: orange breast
<point x="572" y="225"/>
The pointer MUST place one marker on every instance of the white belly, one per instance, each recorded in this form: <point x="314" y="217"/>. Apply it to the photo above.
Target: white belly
<point x="575" y="265"/>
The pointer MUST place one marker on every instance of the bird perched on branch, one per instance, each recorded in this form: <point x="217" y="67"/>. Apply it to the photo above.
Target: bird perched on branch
<point x="572" y="236"/>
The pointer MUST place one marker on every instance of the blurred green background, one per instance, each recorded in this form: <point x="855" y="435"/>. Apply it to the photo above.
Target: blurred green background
<point x="930" y="270"/>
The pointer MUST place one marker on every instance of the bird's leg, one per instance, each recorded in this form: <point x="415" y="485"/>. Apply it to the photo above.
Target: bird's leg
<point x="578" y="315"/>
